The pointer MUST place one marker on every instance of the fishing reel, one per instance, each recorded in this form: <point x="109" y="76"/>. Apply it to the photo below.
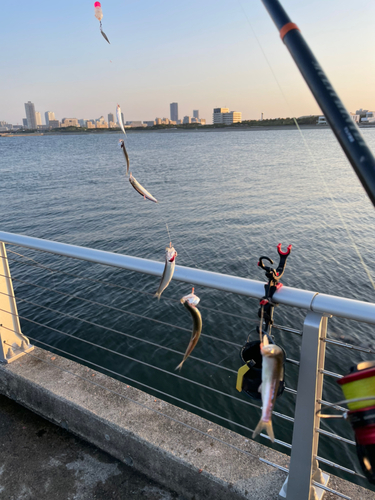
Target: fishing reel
<point x="358" y="387"/>
<point x="249" y="376"/>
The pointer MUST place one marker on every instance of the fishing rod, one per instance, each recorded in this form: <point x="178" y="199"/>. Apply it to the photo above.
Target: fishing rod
<point x="343" y="126"/>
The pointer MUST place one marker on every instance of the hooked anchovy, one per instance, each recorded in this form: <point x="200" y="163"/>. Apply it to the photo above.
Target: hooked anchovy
<point x="119" y="118"/>
<point x="170" y="262"/>
<point x="272" y="375"/>
<point x="122" y="145"/>
<point x="141" y="190"/>
<point x="104" y="35"/>
<point x="197" y="326"/>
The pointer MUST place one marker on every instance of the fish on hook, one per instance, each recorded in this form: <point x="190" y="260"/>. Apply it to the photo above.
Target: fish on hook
<point x="122" y="146"/>
<point x="140" y="189"/>
<point x="99" y="17"/>
<point x="119" y="118"/>
<point x="170" y="262"/>
<point x="272" y="375"/>
<point x="190" y="302"/>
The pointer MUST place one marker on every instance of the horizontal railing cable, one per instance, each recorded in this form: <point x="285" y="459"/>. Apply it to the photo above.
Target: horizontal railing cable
<point x="282" y="443"/>
<point x="340" y="467"/>
<point x="152" y="295"/>
<point x="287" y="329"/>
<point x="331" y="374"/>
<point x="332" y="405"/>
<point x="239" y="316"/>
<point x="288" y="360"/>
<point x="162" y="414"/>
<point x="130" y="336"/>
<point x="122" y="311"/>
<point x="286" y="445"/>
<point x="123" y="333"/>
<point x="335" y="436"/>
<point x="334" y="492"/>
<point x="349" y="346"/>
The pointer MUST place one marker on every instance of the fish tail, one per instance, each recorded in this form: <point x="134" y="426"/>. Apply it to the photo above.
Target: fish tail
<point x="178" y="367"/>
<point x="157" y="295"/>
<point x="262" y="425"/>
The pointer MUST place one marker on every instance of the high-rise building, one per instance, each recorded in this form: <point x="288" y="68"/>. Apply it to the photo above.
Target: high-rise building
<point x="196" y="113"/>
<point x="174" y="111"/>
<point x="24" y="122"/>
<point x="222" y="115"/>
<point x="54" y="124"/>
<point x="111" y="117"/>
<point x="49" y="115"/>
<point x="30" y="115"/>
<point x="38" y="118"/>
<point x="70" y="122"/>
<point x="187" y="119"/>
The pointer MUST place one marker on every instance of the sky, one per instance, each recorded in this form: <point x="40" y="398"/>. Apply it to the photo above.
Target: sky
<point x="201" y="53"/>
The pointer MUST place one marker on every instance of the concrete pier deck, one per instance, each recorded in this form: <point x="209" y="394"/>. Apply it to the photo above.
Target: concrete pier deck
<point x="39" y="460"/>
<point x="191" y="457"/>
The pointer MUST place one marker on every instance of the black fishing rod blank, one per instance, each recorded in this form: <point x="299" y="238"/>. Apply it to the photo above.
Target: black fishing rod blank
<point x="343" y="126"/>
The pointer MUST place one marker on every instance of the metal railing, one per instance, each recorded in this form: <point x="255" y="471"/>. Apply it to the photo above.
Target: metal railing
<point x="310" y="366"/>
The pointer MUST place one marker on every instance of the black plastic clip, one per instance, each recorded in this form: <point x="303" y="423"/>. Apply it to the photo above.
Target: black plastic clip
<point x="273" y="275"/>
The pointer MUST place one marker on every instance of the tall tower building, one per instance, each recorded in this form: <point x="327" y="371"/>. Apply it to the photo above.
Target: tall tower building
<point x="111" y="117"/>
<point x="49" y="115"/>
<point x="174" y="111"/>
<point x="196" y="113"/>
<point x="38" y="118"/>
<point x="30" y="115"/>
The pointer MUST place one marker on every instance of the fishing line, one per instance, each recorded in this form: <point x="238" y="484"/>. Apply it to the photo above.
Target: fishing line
<point x="366" y="269"/>
<point x="344" y="414"/>
<point x="336" y="206"/>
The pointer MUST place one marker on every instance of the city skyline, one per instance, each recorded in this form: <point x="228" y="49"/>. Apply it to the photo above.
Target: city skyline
<point x="80" y="75"/>
<point x="33" y="118"/>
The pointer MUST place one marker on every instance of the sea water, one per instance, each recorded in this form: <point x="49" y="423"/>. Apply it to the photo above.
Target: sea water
<point x="228" y="197"/>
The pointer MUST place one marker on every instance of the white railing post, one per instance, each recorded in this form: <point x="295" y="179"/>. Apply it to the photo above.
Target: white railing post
<point x="13" y="343"/>
<point x="303" y="464"/>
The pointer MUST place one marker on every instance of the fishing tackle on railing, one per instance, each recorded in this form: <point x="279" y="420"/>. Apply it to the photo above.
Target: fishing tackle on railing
<point x="262" y="374"/>
<point x="99" y="17"/>
<point x="170" y="262"/>
<point x="358" y="387"/>
<point x="141" y="190"/>
<point x="190" y="302"/>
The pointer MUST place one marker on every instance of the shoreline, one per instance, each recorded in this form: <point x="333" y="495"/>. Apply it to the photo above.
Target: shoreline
<point x="180" y="130"/>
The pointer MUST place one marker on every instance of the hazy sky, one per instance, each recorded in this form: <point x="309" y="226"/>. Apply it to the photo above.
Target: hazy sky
<point x="199" y="53"/>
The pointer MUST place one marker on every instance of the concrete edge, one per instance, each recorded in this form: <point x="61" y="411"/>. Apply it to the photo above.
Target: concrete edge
<point x="174" y="447"/>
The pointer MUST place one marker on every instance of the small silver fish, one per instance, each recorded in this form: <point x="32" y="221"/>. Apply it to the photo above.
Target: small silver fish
<point x="122" y="146"/>
<point x="119" y="118"/>
<point x="190" y="301"/>
<point x="170" y="262"/>
<point x="140" y="189"/>
<point x="272" y="375"/>
<point x="104" y="35"/>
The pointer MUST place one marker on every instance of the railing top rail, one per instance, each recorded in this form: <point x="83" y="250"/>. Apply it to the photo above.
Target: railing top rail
<point x="304" y="299"/>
